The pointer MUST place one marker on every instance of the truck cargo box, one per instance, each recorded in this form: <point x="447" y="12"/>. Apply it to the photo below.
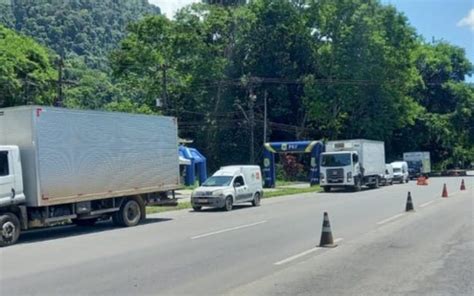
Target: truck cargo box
<point x="71" y="155"/>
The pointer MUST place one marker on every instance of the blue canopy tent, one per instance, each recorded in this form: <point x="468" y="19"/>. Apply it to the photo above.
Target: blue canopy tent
<point x="197" y="163"/>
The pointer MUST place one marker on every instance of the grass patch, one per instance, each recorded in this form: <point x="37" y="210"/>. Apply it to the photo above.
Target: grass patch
<point x="267" y="194"/>
<point x="290" y="191"/>
<point x="180" y="206"/>
<point x="285" y="183"/>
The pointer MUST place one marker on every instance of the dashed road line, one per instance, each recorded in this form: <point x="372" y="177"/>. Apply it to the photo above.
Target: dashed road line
<point x="228" y="229"/>
<point x="391" y="219"/>
<point x="427" y="203"/>
<point x="294" y="257"/>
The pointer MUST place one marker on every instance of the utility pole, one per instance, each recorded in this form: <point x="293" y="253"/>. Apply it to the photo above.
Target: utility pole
<point x="60" y="98"/>
<point x="252" y="98"/>
<point x="265" y="116"/>
<point x="164" y="77"/>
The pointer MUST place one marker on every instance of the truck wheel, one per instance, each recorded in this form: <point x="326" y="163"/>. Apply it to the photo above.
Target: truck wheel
<point x="197" y="208"/>
<point x="326" y="188"/>
<point x="10" y="229"/>
<point x="130" y="213"/>
<point x="377" y="184"/>
<point x="85" y="222"/>
<point x="228" y="204"/>
<point x="256" y="200"/>
<point x="357" y="186"/>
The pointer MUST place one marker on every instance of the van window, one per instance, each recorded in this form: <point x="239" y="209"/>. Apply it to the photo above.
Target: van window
<point x="4" y="163"/>
<point x="239" y="181"/>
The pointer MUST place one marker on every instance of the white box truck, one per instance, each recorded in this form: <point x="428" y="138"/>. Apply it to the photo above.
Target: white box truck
<point x="228" y="186"/>
<point x="419" y="163"/>
<point x="352" y="164"/>
<point x="61" y="165"/>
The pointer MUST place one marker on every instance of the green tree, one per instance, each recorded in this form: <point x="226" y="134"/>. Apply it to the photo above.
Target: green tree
<point x="27" y="75"/>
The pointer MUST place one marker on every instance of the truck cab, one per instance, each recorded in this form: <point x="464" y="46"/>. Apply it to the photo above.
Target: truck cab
<point x="352" y="164"/>
<point x="339" y="169"/>
<point x="11" y="178"/>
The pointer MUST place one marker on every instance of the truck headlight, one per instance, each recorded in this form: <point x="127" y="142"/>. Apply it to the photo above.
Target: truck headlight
<point x="349" y="176"/>
<point x="321" y="176"/>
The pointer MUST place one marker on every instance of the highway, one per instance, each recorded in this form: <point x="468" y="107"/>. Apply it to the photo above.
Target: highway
<point x="266" y="250"/>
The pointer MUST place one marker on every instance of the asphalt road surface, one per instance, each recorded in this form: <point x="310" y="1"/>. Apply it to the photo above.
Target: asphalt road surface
<point x="266" y="250"/>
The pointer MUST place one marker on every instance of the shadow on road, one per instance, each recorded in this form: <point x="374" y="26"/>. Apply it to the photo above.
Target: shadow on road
<point x="57" y="232"/>
<point x="218" y="210"/>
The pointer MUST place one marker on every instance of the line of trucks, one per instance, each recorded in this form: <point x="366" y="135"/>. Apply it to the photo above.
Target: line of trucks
<point x="352" y="164"/>
<point x="59" y="165"/>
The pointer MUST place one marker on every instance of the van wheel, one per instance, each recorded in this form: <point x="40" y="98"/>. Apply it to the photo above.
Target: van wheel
<point x="130" y="213"/>
<point x="228" y="204"/>
<point x="9" y="229"/>
<point x="256" y="200"/>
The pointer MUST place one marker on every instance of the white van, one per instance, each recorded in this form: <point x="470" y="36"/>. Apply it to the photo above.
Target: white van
<point x="388" y="175"/>
<point x="400" y="171"/>
<point x="228" y="186"/>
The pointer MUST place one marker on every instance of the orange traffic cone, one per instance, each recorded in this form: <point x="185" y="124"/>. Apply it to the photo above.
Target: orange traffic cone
<point x="463" y="187"/>
<point x="409" y="205"/>
<point x="326" y="234"/>
<point x="445" y="191"/>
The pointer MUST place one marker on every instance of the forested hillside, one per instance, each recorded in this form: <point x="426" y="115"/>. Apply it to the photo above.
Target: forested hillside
<point x="85" y="28"/>
<point x="325" y="70"/>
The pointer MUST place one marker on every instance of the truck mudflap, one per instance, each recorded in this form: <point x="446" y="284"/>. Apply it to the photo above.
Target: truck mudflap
<point x="163" y="202"/>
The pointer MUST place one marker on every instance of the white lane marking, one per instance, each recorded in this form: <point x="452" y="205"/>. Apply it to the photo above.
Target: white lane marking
<point x="426" y="203"/>
<point x="289" y="259"/>
<point x="390" y="219"/>
<point x="228" y="229"/>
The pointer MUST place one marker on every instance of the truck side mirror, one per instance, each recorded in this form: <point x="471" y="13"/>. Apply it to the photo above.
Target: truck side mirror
<point x="355" y="158"/>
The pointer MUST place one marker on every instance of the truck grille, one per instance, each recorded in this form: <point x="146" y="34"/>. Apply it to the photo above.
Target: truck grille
<point x="335" y="175"/>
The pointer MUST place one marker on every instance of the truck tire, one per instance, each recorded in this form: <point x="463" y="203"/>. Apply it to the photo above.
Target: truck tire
<point x="9" y="229"/>
<point x="197" y="208"/>
<point x="130" y="213"/>
<point x="228" y="204"/>
<point x="377" y="183"/>
<point x="326" y="188"/>
<point x="357" y="186"/>
<point x="85" y="222"/>
<point x="256" y="199"/>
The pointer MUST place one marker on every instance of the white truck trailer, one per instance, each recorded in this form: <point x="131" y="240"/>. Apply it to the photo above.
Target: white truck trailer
<point x="352" y="164"/>
<point x="68" y="165"/>
<point x="419" y="163"/>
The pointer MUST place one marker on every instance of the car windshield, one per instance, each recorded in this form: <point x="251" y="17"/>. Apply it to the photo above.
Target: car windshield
<point x="217" y="181"/>
<point x="336" y="160"/>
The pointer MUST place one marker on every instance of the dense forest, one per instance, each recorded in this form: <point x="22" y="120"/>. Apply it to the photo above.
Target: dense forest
<point x="76" y="28"/>
<point x="324" y="70"/>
